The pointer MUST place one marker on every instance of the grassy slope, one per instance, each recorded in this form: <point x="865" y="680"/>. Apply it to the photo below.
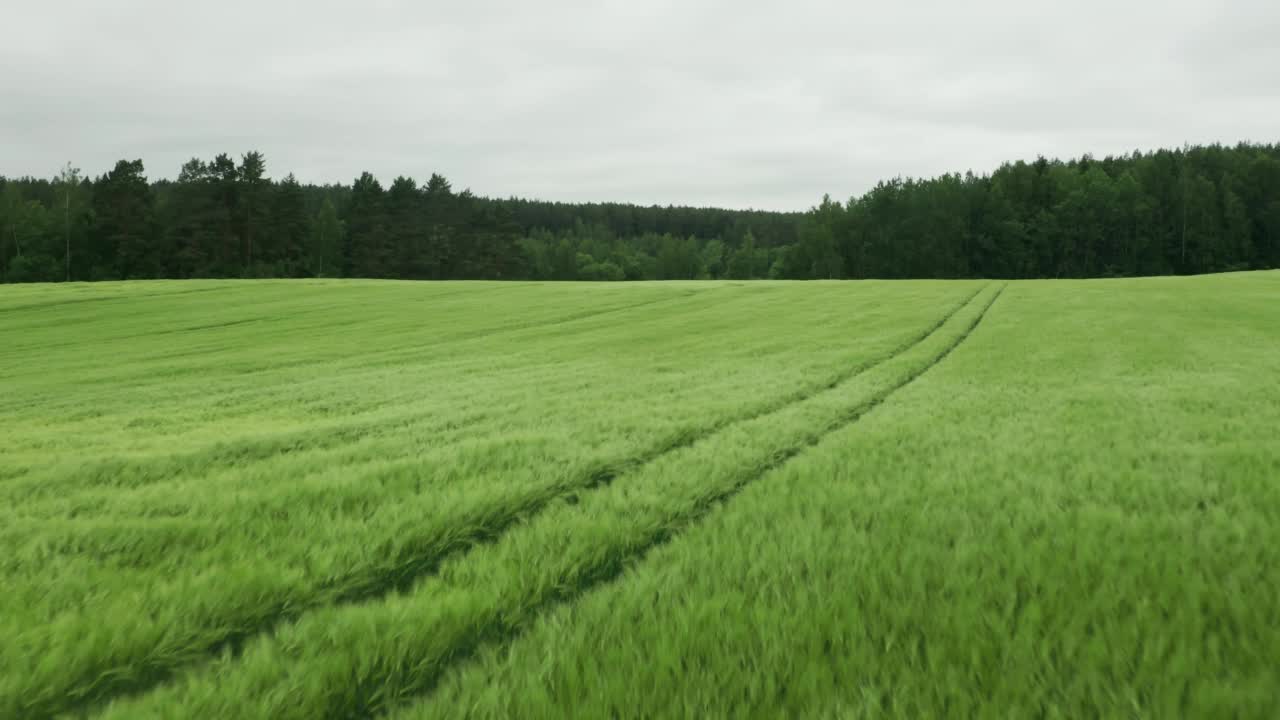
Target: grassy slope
<point x="704" y="498"/>
<point x="360" y="660"/>
<point x="1077" y="514"/>
<point x="197" y="462"/>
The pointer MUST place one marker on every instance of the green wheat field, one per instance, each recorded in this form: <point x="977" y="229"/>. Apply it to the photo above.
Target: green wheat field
<point x="309" y="499"/>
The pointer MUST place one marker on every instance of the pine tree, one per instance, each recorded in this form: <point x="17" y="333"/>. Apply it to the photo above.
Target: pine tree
<point x="124" y="215"/>
<point x="283" y="248"/>
<point x="367" y="243"/>
<point x="252" y="202"/>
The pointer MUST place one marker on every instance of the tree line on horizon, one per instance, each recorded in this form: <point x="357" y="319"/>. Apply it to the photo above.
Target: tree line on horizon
<point x="1192" y="210"/>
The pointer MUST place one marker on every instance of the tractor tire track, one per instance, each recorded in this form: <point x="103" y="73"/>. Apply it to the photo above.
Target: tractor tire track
<point x="383" y="358"/>
<point x="509" y="626"/>
<point x="117" y="473"/>
<point x="423" y="556"/>
<point x="80" y="301"/>
<point x="397" y="673"/>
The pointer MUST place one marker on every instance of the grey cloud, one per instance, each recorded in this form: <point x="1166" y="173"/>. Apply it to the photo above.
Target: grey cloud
<point x="763" y="104"/>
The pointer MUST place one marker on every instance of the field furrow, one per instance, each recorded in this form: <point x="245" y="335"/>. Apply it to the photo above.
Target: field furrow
<point x="364" y="659"/>
<point x="953" y="556"/>
<point x="248" y="568"/>
<point x="302" y="499"/>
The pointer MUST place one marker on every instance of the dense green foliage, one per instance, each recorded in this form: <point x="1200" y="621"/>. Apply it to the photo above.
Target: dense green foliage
<point x="1196" y="210"/>
<point x="337" y="498"/>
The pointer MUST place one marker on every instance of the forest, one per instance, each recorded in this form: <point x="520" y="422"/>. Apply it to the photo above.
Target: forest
<point x="1196" y="209"/>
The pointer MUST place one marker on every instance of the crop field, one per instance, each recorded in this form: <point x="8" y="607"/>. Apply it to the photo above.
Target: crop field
<point x="306" y="499"/>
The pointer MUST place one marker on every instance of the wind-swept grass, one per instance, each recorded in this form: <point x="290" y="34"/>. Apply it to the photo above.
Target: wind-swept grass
<point x="194" y="543"/>
<point x="356" y="661"/>
<point x="1077" y="514"/>
<point x="343" y="499"/>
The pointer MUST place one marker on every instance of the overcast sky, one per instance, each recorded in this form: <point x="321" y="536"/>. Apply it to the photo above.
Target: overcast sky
<point x="704" y="102"/>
